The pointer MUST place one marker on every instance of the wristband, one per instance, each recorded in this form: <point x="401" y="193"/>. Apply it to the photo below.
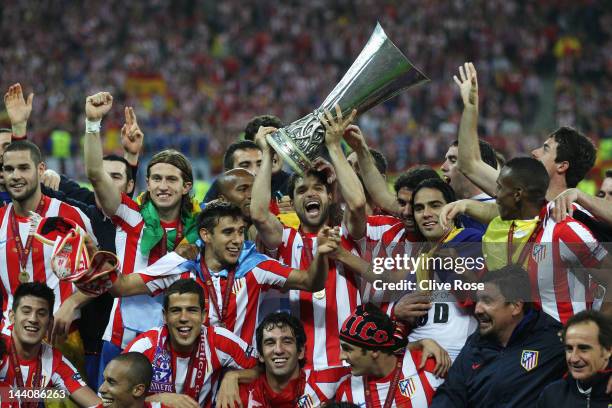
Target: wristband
<point x="93" y="126"/>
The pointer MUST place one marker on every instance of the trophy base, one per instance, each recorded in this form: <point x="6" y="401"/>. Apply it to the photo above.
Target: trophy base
<point x="283" y="145"/>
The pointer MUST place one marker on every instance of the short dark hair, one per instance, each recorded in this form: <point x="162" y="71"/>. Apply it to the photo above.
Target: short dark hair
<point x="413" y="176"/>
<point x="603" y="322"/>
<point x="379" y="161"/>
<point x="530" y="175"/>
<point x="437" y="184"/>
<point x="181" y="287"/>
<point x="210" y="215"/>
<point x="280" y="320"/>
<point x="140" y="369"/>
<point x="263" y="120"/>
<point x="128" y="168"/>
<point x="513" y="283"/>
<point x="487" y="153"/>
<point x="501" y="160"/>
<point x="228" y="157"/>
<point x="608" y="173"/>
<point x="578" y="150"/>
<point x="23" y="145"/>
<point x="34" y="289"/>
<point x="295" y="177"/>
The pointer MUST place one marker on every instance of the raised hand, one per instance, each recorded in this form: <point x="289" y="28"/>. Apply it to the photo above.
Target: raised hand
<point x="131" y="135"/>
<point x="18" y="108"/>
<point x="322" y="165"/>
<point x="328" y="240"/>
<point x="334" y="127"/>
<point x="260" y="137"/>
<point x="354" y="137"/>
<point x="98" y="105"/>
<point x="468" y="84"/>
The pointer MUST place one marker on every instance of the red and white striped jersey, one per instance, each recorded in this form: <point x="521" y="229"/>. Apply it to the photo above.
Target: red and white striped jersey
<point x="57" y="372"/>
<point x="130" y="226"/>
<point x="556" y="267"/>
<point x="38" y="265"/>
<point x="323" y="312"/>
<point x="319" y="387"/>
<point x="223" y="349"/>
<point x="415" y="388"/>
<point x="245" y="299"/>
<point x="146" y="404"/>
<point x="386" y="237"/>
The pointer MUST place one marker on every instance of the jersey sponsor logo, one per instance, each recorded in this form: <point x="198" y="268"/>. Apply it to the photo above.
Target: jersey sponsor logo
<point x="407" y="387"/>
<point x="476" y="366"/>
<point x="305" y="401"/>
<point x="250" y="352"/>
<point x="77" y="377"/>
<point x="539" y="252"/>
<point x="529" y="359"/>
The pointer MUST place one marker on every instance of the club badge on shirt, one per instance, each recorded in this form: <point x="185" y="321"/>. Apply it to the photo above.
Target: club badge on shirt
<point x="529" y="359"/>
<point x="407" y="387"/>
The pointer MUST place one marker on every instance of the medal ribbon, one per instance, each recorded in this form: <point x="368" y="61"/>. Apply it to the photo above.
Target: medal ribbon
<point x="24" y="253"/>
<point x="392" y="387"/>
<point x="526" y="248"/>
<point x="177" y="240"/>
<point x="36" y="378"/>
<point x="212" y="293"/>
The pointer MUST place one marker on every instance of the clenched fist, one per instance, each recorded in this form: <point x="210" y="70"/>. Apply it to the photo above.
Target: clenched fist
<point x="98" y="105"/>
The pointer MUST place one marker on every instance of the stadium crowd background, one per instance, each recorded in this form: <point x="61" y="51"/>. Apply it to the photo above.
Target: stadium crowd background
<point x="197" y="71"/>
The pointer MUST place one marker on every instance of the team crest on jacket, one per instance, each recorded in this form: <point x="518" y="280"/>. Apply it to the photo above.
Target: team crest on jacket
<point x="305" y="401"/>
<point x="529" y="359"/>
<point x="407" y="387"/>
<point x="539" y="252"/>
<point x="238" y="285"/>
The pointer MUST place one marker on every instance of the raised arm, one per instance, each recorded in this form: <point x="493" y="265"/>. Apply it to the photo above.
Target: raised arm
<point x="469" y="160"/>
<point x="269" y="228"/>
<point x="18" y="110"/>
<point x="478" y="210"/>
<point x="599" y="207"/>
<point x="109" y="196"/>
<point x="132" y="137"/>
<point x="374" y="182"/>
<point x="350" y="186"/>
<point x="313" y="280"/>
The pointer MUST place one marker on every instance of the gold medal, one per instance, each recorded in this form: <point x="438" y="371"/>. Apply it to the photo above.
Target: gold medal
<point x="24" y="277"/>
<point x="320" y="294"/>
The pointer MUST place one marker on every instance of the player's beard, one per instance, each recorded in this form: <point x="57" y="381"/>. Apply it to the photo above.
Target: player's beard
<point x="26" y="195"/>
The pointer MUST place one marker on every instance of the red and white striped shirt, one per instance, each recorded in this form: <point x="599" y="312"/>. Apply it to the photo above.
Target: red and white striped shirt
<point x="57" y="372"/>
<point x="38" y="265"/>
<point x="415" y="388"/>
<point x="318" y="387"/>
<point x="223" y="349"/>
<point x="130" y="226"/>
<point x="146" y="404"/>
<point x="386" y="237"/>
<point x="247" y="291"/>
<point x="323" y="312"/>
<point x="556" y="267"/>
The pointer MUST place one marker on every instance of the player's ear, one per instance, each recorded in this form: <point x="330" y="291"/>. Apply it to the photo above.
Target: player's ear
<point x="138" y="391"/>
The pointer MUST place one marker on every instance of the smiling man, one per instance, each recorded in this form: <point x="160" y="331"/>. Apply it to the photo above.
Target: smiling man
<point x="146" y="231"/>
<point x="514" y="354"/>
<point x="588" y="346"/>
<point x="285" y="383"/>
<point x="32" y="363"/>
<point x="187" y="356"/>
<point x="127" y="379"/>
<point x="381" y="373"/>
<point x="24" y="259"/>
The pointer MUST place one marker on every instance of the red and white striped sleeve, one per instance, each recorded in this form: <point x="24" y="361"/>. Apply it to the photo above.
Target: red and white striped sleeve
<point x="272" y="273"/>
<point x="230" y="350"/>
<point x="144" y="343"/>
<point x="127" y="215"/>
<point x="164" y="272"/>
<point x="64" y="375"/>
<point x="580" y="248"/>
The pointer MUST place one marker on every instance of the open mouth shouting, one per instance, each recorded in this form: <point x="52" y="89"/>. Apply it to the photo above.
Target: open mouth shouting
<point x="312" y="207"/>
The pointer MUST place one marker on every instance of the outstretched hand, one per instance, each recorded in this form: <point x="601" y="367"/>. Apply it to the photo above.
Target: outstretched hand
<point x="335" y="126"/>
<point x="18" y="108"/>
<point x="131" y="136"/>
<point x="468" y="84"/>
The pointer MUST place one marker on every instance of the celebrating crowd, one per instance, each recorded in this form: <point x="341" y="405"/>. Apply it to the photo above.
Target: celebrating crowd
<point x="271" y="291"/>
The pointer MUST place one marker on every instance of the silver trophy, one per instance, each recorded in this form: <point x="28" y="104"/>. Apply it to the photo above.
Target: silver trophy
<point x="380" y="72"/>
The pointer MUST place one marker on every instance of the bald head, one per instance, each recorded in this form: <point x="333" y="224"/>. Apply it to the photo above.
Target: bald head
<point x="235" y="186"/>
